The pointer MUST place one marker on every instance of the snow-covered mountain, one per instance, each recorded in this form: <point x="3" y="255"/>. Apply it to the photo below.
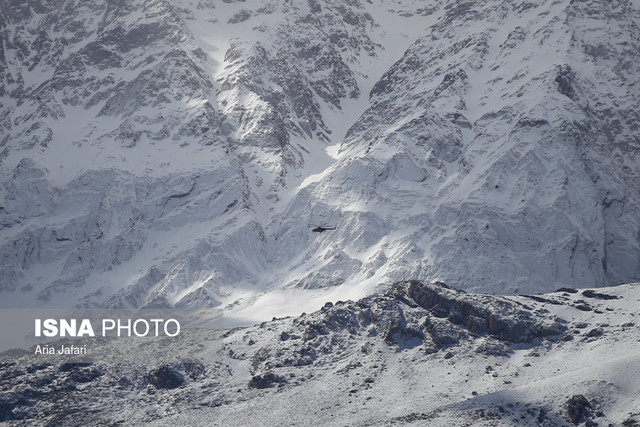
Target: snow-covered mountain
<point x="158" y="153"/>
<point x="420" y="354"/>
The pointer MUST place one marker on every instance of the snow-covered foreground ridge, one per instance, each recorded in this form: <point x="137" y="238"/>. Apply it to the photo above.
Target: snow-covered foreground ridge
<point x="157" y="153"/>
<point x="420" y="354"/>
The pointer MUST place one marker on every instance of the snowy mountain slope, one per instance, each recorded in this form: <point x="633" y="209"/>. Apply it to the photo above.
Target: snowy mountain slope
<point x="419" y="353"/>
<point x="141" y="94"/>
<point x="487" y="135"/>
<point x="102" y="204"/>
<point x="179" y="153"/>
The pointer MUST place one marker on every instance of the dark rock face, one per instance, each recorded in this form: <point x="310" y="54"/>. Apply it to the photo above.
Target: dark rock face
<point x="595" y="332"/>
<point x="5" y="411"/>
<point x="267" y="380"/>
<point x="565" y="79"/>
<point x="501" y="319"/>
<point x="69" y="366"/>
<point x="578" y="409"/>
<point x="165" y="377"/>
<point x="598" y="295"/>
<point x="631" y="421"/>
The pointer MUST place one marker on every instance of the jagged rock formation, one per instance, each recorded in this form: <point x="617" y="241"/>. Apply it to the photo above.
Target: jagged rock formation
<point x="420" y="352"/>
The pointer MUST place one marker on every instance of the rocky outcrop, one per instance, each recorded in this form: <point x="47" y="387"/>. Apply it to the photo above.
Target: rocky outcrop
<point x="579" y="410"/>
<point x="440" y="354"/>
<point x="165" y="377"/>
<point x="411" y="314"/>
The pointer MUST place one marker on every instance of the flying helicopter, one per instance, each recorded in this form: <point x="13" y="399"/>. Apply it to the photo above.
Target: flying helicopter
<point x="322" y="229"/>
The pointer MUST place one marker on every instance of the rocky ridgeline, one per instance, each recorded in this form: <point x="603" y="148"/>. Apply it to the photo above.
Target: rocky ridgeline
<point x="410" y="315"/>
<point x="430" y="324"/>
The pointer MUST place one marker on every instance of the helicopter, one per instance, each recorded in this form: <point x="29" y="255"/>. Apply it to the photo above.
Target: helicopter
<point x="322" y="229"/>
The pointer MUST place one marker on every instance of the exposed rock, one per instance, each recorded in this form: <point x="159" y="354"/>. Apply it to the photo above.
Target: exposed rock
<point x="412" y="314"/>
<point x="589" y="293"/>
<point x="165" y="377"/>
<point x="267" y="380"/>
<point x="85" y="375"/>
<point x="595" y="332"/>
<point x="579" y="409"/>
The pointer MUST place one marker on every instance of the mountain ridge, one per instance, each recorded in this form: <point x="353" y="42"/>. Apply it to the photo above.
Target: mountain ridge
<point x="154" y="154"/>
<point x="419" y="352"/>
